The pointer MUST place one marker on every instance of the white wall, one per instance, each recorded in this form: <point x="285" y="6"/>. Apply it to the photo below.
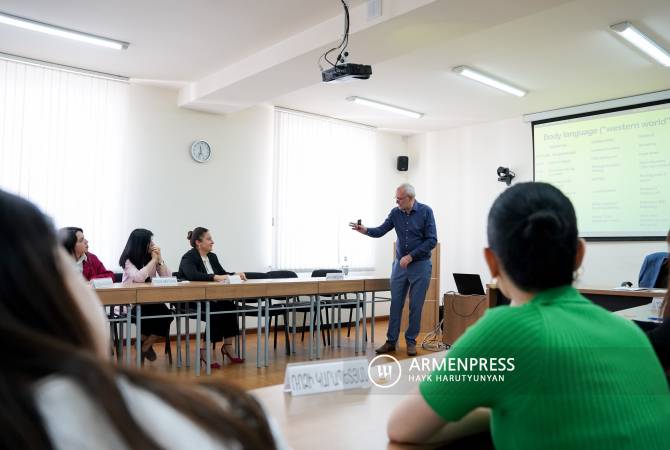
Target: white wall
<point x="170" y="194"/>
<point x="457" y="170"/>
<point x="389" y="147"/>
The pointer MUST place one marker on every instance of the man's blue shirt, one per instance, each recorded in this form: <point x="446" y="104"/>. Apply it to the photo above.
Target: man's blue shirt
<point x="417" y="234"/>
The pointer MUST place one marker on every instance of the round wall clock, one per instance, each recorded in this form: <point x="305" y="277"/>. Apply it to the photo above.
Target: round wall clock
<point x="201" y="151"/>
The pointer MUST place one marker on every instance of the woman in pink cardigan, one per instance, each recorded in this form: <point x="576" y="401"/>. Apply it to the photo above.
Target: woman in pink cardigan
<point x="141" y="260"/>
<point x="76" y="245"/>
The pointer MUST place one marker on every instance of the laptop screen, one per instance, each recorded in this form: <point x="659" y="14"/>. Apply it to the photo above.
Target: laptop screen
<point x="469" y="284"/>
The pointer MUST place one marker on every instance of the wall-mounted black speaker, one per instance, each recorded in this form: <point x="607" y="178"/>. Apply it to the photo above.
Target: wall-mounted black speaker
<point x="403" y="163"/>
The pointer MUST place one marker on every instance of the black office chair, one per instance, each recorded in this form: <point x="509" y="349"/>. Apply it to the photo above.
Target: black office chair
<point x="295" y="306"/>
<point x="274" y="313"/>
<point x="298" y="307"/>
<point x="115" y="327"/>
<point x="334" y="301"/>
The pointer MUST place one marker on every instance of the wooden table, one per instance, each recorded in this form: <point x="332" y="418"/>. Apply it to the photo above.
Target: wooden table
<point x="616" y="299"/>
<point x="354" y="419"/>
<point x="609" y="298"/>
<point x="337" y="420"/>
<point x="639" y="314"/>
<point x="137" y="294"/>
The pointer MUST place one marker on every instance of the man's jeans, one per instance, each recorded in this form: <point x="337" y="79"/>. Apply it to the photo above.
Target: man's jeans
<point x="415" y="279"/>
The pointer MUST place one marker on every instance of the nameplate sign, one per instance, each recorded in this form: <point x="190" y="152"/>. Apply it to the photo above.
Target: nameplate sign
<point x="326" y="376"/>
<point x="102" y="282"/>
<point x="334" y="276"/>
<point x="234" y="279"/>
<point x="164" y="281"/>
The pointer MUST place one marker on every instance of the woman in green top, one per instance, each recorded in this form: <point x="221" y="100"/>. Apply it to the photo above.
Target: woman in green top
<point x="574" y="376"/>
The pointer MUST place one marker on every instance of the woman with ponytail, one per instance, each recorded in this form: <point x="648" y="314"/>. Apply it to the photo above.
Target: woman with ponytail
<point x="58" y="389"/>
<point x="201" y="264"/>
<point x="552" y="370"/>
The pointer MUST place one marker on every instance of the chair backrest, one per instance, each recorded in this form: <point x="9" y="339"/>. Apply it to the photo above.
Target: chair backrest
<point x="651" y="268"/>
<point x="282" y="274"/>
<point x="256" y="275"/>
<point x="118" y="277"/>
<point x="319" y="273"/>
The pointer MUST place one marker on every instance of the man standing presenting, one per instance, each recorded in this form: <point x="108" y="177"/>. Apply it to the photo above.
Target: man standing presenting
<point x="417" y="236"/>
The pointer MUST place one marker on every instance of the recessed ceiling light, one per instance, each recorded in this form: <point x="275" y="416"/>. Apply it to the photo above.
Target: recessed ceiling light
<point x="54" y="30"/>
<point x="385" y="107"/>
<point x="643" y="42"/>
<point x="476" y="75"/>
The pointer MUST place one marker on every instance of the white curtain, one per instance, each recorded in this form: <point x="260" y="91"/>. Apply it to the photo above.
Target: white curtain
<point x="62" y="147"/>
<point x="325" y="178"/>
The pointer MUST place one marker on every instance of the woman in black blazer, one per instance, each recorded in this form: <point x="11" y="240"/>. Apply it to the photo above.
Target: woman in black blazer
<point x="200" y="264"/>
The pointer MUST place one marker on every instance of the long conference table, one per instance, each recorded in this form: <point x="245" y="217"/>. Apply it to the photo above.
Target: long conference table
<point x="138" y="294"/>
<point x="612" y="299"/>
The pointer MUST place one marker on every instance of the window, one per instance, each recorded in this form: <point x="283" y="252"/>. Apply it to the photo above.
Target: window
<point x="61" y="147"/>
<point x="324" y="179"/>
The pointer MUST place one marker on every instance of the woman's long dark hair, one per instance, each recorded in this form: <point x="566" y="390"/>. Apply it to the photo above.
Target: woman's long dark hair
<point x="137" y="248"/>
<point x="48" y="336"/>
<point x="68" y="237"/>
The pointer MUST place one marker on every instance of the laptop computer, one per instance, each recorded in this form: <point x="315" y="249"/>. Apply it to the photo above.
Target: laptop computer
<point x="469" y="284"/>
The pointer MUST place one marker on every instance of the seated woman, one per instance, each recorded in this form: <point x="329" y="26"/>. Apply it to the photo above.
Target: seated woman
<point x="76" y="245"/>
<point x="61" y="392"/>
<point x="200" y="264"/>
<point x="575" y="376"/>
<point x="141" y="259"/>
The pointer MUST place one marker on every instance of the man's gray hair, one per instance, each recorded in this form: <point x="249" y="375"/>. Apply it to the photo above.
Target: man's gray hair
<point x="408" y="189"/>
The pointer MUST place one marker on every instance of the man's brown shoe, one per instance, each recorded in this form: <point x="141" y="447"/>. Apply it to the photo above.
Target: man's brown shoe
<point x="388" y="347"/>
<point x="411" y="349"/>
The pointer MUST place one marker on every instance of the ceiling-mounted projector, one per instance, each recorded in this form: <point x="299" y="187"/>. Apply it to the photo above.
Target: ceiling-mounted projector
<point x="340" y="70"/>
<point x="346" y="72"/>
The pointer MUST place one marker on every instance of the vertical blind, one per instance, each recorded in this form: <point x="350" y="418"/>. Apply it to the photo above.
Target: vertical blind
<point x="324" y="179"/>
<point x="61" y="147"/>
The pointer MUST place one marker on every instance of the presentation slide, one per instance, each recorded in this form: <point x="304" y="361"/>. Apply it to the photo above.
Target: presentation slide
<point x="614" y="167"/>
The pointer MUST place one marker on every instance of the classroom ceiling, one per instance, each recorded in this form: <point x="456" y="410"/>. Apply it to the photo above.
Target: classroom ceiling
<point x="227" y="55"/>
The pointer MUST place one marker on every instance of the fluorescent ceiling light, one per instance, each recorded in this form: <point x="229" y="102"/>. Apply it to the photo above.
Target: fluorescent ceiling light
<point x="53" y="30"/>
<point x="63" y="68"/>
<point x="640" y="40"/>
<point x="385" y="107"/>
<point x="473" y="74"/>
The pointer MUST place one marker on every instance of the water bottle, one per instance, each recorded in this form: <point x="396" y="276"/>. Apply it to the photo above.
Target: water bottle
<point x="345" y="267"/>
<point x="656" y="306"/>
